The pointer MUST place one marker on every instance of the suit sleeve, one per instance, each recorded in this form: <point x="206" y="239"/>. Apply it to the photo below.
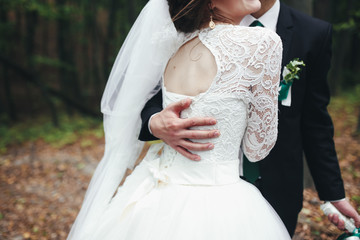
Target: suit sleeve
<point x="317" y="126"/>
<point x="154" y="105"/>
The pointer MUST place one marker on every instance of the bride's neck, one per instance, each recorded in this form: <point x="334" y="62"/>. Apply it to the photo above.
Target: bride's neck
<point x="206" y="25"/>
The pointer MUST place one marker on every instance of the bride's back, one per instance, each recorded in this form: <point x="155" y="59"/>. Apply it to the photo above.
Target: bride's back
<point x="191" y="70"/>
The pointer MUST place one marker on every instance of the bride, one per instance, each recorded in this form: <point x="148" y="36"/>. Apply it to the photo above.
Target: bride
<point x="230" y="73"/>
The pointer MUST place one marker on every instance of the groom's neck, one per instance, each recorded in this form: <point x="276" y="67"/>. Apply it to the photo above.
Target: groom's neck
<point x="265" y="6"/>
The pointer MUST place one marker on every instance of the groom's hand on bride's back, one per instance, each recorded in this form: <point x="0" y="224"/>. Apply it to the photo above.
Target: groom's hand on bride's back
<point x="174" y="131"/>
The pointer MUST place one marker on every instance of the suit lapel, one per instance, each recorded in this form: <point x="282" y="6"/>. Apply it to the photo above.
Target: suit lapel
<point x="285" y="29"/>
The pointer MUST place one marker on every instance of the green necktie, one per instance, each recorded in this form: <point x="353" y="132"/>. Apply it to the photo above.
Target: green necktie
<point x="256" y="23"/>
<point x="250" y="169"/>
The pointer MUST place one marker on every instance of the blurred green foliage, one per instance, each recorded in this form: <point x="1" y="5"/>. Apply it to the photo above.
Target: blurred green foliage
<point x="61" y="51"/>
<point x="346" y="64"/>
<point x="347" y="103"/>
<point x="71" y="130"/>
<point x="52" y="62"/>
<point x="356" y="199"/>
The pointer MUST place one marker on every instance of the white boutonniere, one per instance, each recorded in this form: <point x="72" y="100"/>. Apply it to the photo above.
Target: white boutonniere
<point x="290" y="73"/>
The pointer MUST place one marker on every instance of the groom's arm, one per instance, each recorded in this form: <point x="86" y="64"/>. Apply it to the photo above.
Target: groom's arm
<point x="153" y="106"/>
<point x="318" y="132"/>
<point x="317" y="127"/>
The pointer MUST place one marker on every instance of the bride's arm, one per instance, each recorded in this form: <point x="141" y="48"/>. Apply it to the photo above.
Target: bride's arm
<point x="261" y="133"/>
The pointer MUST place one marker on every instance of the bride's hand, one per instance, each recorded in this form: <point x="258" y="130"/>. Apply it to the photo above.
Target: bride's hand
<point x="174" y="131"/>
<point x="347" y="210"/>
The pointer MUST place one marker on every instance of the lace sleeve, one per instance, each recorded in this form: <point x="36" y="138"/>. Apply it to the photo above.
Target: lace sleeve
<point x="261" y="132"/>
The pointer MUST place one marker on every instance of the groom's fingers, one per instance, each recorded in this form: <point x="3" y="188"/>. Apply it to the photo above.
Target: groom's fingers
<point x="179" y="106"/>
<point x="357" y="220"/>
<point x="187" y="154"/>
<point x="334" y="218"/>
<point x="198" y="121"/>
<point x="194" y="146"/>
<point x="348" y="210"/>
<point x="198" y="134"/>
<point x="176" y="132"/>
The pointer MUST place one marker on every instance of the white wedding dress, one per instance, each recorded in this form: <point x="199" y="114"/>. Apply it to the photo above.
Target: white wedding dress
<point x="168" y="197"/>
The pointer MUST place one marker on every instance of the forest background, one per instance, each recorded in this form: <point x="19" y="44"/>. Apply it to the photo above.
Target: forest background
<point x="56" y="55"/>
<point x="55" y="58"/>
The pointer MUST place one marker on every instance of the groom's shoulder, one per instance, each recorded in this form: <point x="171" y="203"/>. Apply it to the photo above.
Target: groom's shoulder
<point x="304" y="20"/>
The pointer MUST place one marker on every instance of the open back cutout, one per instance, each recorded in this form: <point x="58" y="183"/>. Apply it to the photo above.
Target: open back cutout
<point x="191" y="70"/>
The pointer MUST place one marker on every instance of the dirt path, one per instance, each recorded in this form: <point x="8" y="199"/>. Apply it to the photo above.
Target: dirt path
<point x="42" y="189"/>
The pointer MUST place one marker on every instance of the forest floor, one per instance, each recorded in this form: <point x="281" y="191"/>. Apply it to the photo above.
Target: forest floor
<point x="42" y="186"/>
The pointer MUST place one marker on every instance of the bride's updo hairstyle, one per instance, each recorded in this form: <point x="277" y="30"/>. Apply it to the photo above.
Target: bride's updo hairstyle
<point x="190" y="15"/>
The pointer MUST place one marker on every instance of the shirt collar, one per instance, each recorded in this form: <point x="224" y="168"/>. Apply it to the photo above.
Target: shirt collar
<point x="268" y="19"/>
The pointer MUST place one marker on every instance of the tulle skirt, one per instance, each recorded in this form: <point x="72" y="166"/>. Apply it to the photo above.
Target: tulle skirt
<point x="148" y="207"/>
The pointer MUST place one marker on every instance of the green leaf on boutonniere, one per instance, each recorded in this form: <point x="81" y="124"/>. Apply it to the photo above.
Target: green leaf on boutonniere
<point x="291" y="71"/>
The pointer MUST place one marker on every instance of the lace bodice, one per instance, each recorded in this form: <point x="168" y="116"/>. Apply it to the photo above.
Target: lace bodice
<point x="242" y="97"/>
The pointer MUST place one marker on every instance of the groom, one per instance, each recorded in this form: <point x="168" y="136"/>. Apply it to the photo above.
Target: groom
<point x="304" y="123"/>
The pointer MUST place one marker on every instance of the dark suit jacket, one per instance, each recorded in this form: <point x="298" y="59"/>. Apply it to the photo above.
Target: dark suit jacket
<point x="304" y="127"/>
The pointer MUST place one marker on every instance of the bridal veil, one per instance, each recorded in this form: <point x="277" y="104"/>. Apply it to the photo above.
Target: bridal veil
<point x="134" y="79"/>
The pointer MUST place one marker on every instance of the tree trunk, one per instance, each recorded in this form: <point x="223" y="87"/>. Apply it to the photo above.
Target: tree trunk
<point x="341" y="48"/>
<point x="62" y="25"/>
<point x="31" y="23"/>
<point x="30" y="77"/>
<point x="308" y="180"/>
<point x="342" y="55"/>
<point x="132" y="11"/>
<point x="96" y="37"/>
<point x="11" y="109"/>
<point x="323" y="9"/>
<point x="94" y="49"/>
<point x="110" y="37"/>
<point x="305" y="6"/>
<point x="68" y="80"/>
<point x="45" y="37"/>
<point x="358" y="123"/>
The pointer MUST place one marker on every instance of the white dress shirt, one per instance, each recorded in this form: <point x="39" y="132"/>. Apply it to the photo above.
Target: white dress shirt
<point x="268" y="19"/>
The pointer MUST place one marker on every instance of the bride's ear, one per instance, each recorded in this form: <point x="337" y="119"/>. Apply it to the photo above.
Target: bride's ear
<point x="211" y="5"/>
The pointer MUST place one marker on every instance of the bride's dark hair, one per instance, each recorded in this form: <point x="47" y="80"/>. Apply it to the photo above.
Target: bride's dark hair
<point x="190" y="15"/>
